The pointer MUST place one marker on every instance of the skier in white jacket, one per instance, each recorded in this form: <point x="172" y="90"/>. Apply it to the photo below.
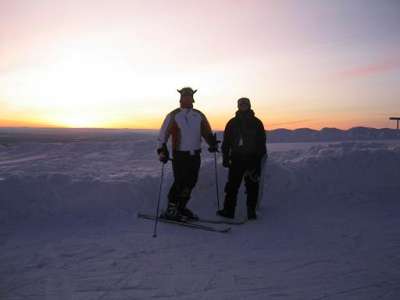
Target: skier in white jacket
<point x="186" y="126"/>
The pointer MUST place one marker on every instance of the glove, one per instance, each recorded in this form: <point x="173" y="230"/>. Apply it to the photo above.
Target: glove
<point x="163" y="154"/>
<point x="213" y="143"/>
<point x="226" y="162"/>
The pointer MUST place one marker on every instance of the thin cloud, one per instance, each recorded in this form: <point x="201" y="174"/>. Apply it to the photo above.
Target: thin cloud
<point x="291" y="122"/>
<point x="371" y="69"/>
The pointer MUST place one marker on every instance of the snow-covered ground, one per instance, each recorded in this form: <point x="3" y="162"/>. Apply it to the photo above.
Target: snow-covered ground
<point x="329" y="225"/>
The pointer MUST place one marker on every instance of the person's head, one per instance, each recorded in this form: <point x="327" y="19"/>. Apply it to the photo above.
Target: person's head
<point x="186" y="99"/>
<point x="244" y="104"/>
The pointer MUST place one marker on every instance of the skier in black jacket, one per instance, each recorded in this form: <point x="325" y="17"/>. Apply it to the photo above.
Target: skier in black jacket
<point x="243" y="148"/>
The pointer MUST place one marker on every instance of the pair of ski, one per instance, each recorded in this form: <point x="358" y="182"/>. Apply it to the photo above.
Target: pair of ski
<point x="202" y="224"/>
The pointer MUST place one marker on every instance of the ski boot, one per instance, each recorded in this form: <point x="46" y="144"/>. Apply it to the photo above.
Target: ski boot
<point x="188" y="214"/>
<point x="183" y="210"/>
<point x="229" y="207"/>
<point x="251" y="214"/>
<point x="226" y="213"/>
<point x="172" y="213"/>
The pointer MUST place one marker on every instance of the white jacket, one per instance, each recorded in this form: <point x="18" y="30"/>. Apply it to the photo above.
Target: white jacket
<point x="186" y="126"/>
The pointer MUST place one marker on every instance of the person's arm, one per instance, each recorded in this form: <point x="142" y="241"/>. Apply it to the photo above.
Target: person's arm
<point x="206" y="131"/>
<point x="227" y="144"/>
<point x="262" y="139"/>
<point x="165" y="131"/>
<point x="208" y="135"/>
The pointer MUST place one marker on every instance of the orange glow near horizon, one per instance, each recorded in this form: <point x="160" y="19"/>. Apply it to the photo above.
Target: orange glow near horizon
<point x="217" y="123"/>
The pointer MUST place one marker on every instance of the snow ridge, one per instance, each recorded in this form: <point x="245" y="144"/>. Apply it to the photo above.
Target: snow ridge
<point x="118" y="179"/>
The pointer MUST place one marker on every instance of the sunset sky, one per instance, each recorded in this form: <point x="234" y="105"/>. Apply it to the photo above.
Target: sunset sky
<point x="118" y="63"/>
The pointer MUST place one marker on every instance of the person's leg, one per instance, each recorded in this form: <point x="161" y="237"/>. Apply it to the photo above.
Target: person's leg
<point x="176" y="190"/>
<point x="252" y="178"/>
<point x="191" y="176"/>
<point x="232" y="186"/>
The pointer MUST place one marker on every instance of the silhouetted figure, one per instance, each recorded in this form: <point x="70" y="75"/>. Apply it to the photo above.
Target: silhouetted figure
<point x="186" y="126"/>
<point x="243" y="148"/>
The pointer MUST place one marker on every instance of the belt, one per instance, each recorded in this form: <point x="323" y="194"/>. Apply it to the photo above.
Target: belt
<point x="192" y="152"/>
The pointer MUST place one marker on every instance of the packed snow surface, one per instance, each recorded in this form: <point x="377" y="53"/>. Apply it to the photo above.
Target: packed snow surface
<point x="328" y="226"/>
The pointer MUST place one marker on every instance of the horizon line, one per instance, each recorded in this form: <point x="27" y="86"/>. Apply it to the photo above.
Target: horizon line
<point x="157" y="129"/>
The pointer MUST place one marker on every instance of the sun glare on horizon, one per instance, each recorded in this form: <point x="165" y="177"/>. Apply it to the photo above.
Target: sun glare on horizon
<point x="87" y="84"/>
<point x="80" y="85"/>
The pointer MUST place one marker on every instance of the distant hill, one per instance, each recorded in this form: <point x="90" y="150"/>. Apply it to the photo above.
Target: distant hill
<point x="331" y="134"/>
<point x="282" y="135"/>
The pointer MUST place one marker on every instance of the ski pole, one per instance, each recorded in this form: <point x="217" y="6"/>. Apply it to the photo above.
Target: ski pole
<point x="260" y="194"/>
<point x="158" y="201"/>
<point x="216" y="178"/>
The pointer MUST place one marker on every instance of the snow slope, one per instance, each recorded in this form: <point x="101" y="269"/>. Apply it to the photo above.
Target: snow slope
<point x="328" y="226"/>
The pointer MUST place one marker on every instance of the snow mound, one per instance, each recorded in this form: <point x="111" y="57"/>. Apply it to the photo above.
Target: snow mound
<point x="335" y="168"/>
<point x="105" y="181"/>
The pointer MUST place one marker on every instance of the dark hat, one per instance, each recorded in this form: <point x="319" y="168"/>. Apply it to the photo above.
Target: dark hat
<point x="244" y="101"/>
<point x="186" y="91"/>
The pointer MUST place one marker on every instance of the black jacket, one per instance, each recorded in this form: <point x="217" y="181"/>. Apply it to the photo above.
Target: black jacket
<point x="244" y="137"/>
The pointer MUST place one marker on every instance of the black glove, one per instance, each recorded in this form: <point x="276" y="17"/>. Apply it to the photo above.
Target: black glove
<point x="226" y="161"/>
<point x="213" y="143"/>
<point x="163" y="154"/>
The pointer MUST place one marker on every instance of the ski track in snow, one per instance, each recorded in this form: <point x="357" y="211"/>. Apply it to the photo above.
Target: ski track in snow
<point x="328" y="226"/>
<point x="25" y="159"/>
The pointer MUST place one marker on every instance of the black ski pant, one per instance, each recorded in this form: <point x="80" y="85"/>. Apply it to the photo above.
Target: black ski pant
<point x="186" y="168"/>
<point x="249" y="168"/>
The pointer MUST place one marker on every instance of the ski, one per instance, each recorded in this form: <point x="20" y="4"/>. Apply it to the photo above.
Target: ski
<point x="192" y="225"/>
<point x="221" y="221"/>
